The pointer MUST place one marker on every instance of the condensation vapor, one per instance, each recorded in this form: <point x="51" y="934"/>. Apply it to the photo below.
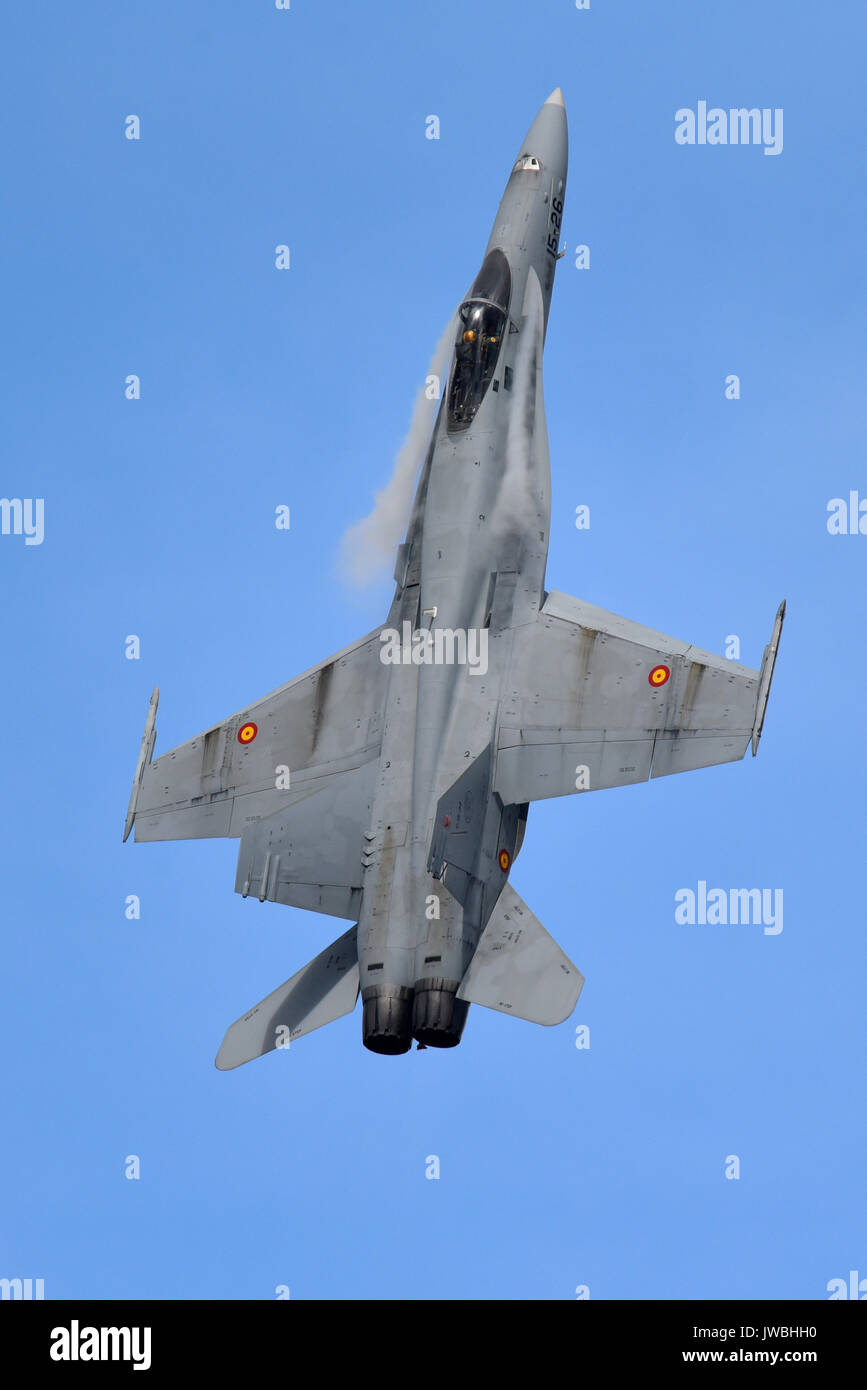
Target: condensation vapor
<point x="515" y="495"/>
<point x="368" y="546"/>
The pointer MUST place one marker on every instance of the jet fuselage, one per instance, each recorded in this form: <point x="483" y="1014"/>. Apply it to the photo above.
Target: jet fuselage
<point x="473" y="565"/>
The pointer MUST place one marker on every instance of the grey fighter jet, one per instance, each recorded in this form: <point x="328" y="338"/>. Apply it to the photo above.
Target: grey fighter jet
<point x="390" y="785"/>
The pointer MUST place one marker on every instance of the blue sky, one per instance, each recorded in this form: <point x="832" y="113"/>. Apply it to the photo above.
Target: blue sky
<point x="559" y="1167"/>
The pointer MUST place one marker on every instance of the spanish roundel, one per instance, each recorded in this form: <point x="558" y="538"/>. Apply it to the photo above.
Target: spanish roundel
<point x="247" y="733"/>
<point x="505" y="859"/>
<point x="658" y="676"/>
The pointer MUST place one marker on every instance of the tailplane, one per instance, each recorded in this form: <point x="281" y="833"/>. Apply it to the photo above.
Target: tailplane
<point x="325" y="989"/>
<point x="519" y="969"/>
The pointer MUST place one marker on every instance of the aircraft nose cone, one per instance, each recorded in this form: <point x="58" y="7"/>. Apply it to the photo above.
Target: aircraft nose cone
<point x="547" y="137"/>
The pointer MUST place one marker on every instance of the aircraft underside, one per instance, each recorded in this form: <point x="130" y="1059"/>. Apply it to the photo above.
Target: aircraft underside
<point x="394" y="793"/>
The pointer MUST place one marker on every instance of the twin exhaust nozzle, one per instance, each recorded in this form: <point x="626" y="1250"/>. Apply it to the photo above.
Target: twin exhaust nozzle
<point x="393" y="1015"/>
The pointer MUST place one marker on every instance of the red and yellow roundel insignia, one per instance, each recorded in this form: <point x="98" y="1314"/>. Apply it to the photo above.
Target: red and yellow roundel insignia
<point x="505" y="859"/>
<point x="247" y="733"/>
<point x="658" y="676"/>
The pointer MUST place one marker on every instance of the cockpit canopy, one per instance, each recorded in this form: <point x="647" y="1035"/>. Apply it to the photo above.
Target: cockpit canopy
<point x="482" y="322"/>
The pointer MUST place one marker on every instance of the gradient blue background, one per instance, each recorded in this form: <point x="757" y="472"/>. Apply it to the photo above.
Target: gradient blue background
<point x="559" y="1167"/>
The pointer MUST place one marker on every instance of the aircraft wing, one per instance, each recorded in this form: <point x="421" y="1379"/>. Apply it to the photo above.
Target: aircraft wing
<point x="317" y="730"/>
<point x="598" y="701"/>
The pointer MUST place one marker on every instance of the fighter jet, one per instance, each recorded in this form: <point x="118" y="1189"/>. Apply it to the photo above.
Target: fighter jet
<point x="390" y="785"/>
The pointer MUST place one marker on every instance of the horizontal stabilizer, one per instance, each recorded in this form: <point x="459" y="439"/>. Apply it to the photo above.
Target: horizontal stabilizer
<point x="325" y="989"/>
<point x="519" y="969"/>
